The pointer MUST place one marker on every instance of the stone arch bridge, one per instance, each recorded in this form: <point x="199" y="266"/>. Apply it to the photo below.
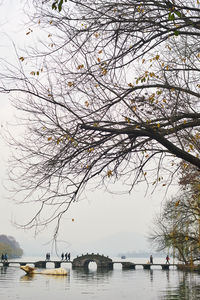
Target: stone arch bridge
<point x="103" y="262"/>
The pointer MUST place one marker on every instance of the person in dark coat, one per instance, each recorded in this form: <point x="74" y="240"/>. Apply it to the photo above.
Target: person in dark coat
<point x="48" y="256"/>
<point x="69" y="255"/>
<point x="66" y="256"/>
<point x="151" y="259"/>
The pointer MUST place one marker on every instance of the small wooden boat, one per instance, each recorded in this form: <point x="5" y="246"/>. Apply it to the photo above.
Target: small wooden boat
<point x="57" y="271"/>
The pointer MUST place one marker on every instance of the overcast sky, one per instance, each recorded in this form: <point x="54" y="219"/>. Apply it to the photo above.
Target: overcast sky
<point x="101" y="214"/>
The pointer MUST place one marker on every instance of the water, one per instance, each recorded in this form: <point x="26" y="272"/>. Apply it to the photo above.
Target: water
<point x="94" y="285"/>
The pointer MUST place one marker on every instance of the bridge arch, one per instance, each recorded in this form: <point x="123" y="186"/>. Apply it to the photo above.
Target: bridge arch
<point x="103" y="262"/>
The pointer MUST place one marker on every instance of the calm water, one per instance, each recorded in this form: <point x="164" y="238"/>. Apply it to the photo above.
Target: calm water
<point x="113" y="285"/>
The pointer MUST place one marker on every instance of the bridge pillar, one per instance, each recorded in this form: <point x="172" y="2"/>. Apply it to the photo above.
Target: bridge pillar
<point x="147" y="267"/>
<point x="57" y="264"/>
<point x="105" y="266"/>
<point x="165" y="267"/>
<point x="128" y="266"/>
<point x="40" y="264"/>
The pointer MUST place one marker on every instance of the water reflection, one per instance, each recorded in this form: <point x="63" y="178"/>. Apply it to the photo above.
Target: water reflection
<point x="93" y="284"/>
<point x="167" y="275"/>
<point x="151" y="275"/>
<point x="3" y="270"/>
<point x="187" y="289"/>
<point x="27" y="277"/>
<point x="30" y="277"/>
<point x="89" y="274"/>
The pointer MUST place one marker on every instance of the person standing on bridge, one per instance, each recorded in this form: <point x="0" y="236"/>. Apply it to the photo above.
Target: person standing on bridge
<point x="167" y="259"/>
<point x="48" y="256"/>
<point x="151" y="259"/>
<point x="66" y="256"/>
<point x="62" y="256"/>
<point x="69" y="255"/>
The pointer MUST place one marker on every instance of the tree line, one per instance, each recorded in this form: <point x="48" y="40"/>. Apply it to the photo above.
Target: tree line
<point x="9" y="246"/>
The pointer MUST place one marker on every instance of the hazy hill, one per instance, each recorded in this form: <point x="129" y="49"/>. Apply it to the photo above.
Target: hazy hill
<point x="9" y="245"/>
<point x="112" y="245"/>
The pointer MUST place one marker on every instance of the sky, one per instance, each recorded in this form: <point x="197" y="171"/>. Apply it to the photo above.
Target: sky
<point x="102" y="221"/>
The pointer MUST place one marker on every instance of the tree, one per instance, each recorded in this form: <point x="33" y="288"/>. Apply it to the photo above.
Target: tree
<point x="110" y="92"/>
<point x="57" y="4"/>
<point x="177" y="228"/>
<point x="178" y="225"/>
<point x="10" y="246"/>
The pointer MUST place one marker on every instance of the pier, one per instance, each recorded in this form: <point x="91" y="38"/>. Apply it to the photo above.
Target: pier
<point x="82" y="262"/>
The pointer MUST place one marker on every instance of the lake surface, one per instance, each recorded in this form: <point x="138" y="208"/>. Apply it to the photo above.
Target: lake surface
<point x="113" y="285"/>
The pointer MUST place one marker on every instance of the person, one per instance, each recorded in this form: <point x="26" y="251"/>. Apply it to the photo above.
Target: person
<point x="62" y="256"/>
<point x="69" y="255"/>
<point x="66" y="255"/>
<point x="48" y="256"/>
<point x="167" y="259"/>
<point x="2" y="257"/>
<point x="151" y="259"/>
<point x="6" y="257"/>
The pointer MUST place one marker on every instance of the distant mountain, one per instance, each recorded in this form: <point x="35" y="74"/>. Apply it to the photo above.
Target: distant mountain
<point x="141" y="254"/>
<point x="115" y="244"/>
<point x="111" y="245"/>
<point x="9" y="245"/>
